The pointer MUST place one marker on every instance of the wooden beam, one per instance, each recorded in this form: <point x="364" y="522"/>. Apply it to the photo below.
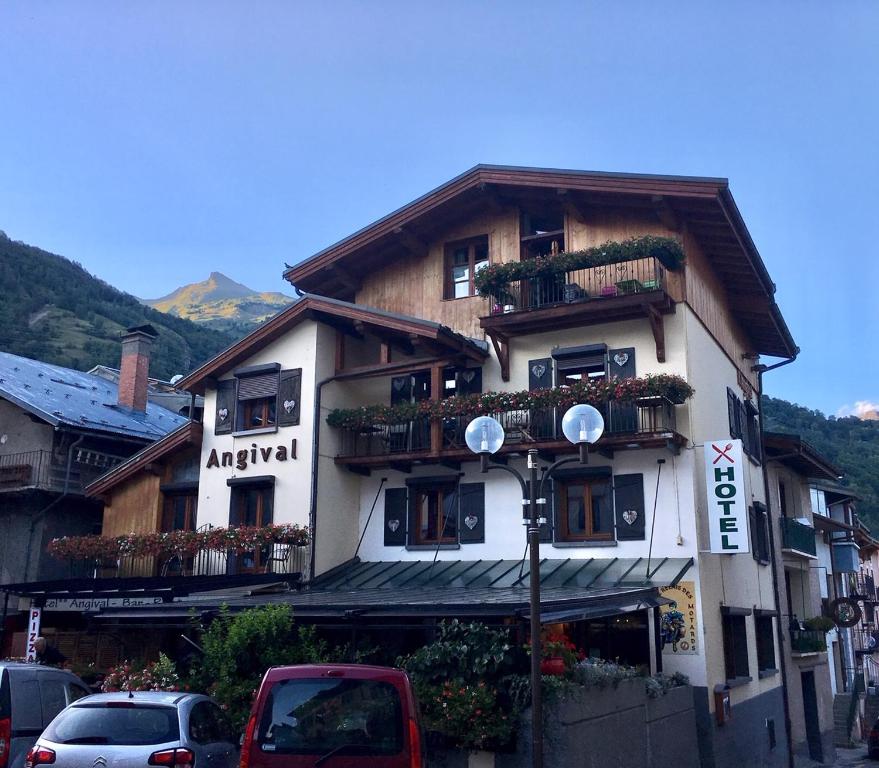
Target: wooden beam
<point x="344" y="277"/>
<point x="665" y="213"/>
<point x="410" y="241"/>
<point x="369" y="371"/>
<point x="436" y="393"/>
<point x="502" y="350"/>
<point x="658" y="328"/>
<point x="384" y="353"/>
<point x="340" y="351"/>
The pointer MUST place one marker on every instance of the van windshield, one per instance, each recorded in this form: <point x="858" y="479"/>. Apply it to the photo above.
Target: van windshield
<point x="312" y="716"/>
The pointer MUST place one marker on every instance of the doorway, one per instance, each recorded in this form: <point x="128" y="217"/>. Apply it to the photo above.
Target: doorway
<point x="810" y="713"/>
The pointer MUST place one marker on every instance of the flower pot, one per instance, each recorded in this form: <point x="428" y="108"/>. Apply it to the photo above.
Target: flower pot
<point x="553" y="666"/>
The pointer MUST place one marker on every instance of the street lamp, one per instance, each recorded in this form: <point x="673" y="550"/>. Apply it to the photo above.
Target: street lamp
<point x="581" y="425"/>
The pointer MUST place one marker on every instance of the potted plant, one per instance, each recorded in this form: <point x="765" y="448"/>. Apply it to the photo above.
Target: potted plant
<point x="558" y="654"/>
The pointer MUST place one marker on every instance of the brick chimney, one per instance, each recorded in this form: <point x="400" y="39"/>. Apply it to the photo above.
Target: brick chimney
<point x="135" y="368"/>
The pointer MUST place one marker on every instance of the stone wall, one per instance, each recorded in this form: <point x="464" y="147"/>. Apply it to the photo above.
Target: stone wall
<point x="602" y="728"/>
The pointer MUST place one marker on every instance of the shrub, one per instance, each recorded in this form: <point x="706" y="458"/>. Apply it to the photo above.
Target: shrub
<point x="238" y="649"/>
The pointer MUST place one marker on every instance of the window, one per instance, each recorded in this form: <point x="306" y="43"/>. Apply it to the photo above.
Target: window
<point x="763" y="626"/>
<point x="542" y="234"/>
<point x="759" y="533"/>
<point x="252" y="506"/>
<point x="782" y="498"/>
<point x="735" y="644"/>
<point x="257" y="401"/>
<point x="585" y="512"/>
<point x="463" y="261"/>
<point x="260" y="397"/>
<point x="744" y="424"/>
<point x="583" y="363"/>
<point x="434" y="514"/>
<point x="179" y="512"/>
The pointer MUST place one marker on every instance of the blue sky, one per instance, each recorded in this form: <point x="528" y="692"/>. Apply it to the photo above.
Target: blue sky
<point x="154" y="142"/>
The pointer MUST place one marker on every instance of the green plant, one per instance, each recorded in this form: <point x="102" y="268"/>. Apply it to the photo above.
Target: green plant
<point x="494" y="280"/>
<point x="467" y="684"/>
<point x="819" y="624"/>
<point x="239" y="648"/>
<point x="669" y="386"/>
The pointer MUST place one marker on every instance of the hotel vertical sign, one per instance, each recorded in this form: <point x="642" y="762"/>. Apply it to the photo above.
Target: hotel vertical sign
<point x="727" y="503"/>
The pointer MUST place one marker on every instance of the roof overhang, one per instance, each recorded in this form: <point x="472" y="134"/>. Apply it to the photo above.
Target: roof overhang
<point x="348" y="317"/>
<point x="189" y="434"/>
<point x="705" y="205"/>
<point x="369" y="591"/>
<point x="798" y="455"/>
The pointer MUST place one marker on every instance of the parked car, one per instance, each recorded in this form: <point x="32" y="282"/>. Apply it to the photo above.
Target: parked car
<point x="30" y="696"/>
<point x="132" y="730"/>
<point x="341" y="715"/>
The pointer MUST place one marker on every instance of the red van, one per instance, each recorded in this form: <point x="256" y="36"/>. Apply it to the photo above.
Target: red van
<point x="337" y="715"/>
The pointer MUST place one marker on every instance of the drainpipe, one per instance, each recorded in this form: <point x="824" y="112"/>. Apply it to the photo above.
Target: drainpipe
<point x="760" y="370"/>
<point x="315" y="464"/>
<point x="42" y="513"/>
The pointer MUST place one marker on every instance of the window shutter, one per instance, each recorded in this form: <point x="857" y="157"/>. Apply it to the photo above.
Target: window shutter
<point x="628" y="499"/>
<point x="289" y="394"/>
<point x="258" y="387"/>
<point x="225" y="413"/>
<point x="469" y="381"/>
<point x="401" y="389"/>
<point x="622" y="417"/>
<point x="540" y="373"/>
<point x="395" y="517"/>
<point x="547" y="530"/>
<point x="744" y="432"/>
<point x="471" y="525"/>
<point x="621" y="363"/>
<point x="732" y="409"/>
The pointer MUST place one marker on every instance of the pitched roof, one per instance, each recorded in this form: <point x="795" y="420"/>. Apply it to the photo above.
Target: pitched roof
<point x="189" y="434"/>
<point x="323" y="308"/>
<point x="65" y="397"/>
<point x="704" y="203"/>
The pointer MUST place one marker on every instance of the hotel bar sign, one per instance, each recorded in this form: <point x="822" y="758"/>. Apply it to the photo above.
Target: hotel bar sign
<point x="727" y="503"/>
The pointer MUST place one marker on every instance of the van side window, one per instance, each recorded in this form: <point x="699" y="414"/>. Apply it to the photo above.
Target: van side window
<point x="76" y="692"/>
<point x="53" y="698"/>
<point x="26" y="712"/>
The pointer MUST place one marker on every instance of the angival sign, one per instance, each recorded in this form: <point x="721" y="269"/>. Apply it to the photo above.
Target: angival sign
<point x="727" y="503"/>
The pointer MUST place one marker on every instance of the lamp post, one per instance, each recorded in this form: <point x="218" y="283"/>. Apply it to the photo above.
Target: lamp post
<point x="581" y="425"/>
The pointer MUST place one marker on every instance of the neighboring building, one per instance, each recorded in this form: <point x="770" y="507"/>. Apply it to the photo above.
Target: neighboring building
<point x="405" y="528"/>
<point x="791" y="462"/>
<point x="159" y="392"/>
<point x="59" y="429"/>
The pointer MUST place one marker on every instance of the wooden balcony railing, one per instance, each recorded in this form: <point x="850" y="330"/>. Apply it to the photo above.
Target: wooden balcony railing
<point x="32" y="469"/>
<point x="643" y="275"/>
<point x="424" y="435"/>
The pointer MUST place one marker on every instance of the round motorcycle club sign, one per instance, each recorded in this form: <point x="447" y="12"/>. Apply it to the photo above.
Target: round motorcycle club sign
<point x="678" y="627"/>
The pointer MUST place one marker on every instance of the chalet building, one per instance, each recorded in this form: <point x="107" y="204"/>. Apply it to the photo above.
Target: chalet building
<point x="512" y="292"/>
<point x="809" y="670"/>
<point x="60" y="429"/>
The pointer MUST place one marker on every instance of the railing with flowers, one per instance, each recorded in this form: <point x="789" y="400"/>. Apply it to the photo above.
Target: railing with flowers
<point x="629" y="406"/>
<point x="616" y="268"/>
<point x="206" y="552"/>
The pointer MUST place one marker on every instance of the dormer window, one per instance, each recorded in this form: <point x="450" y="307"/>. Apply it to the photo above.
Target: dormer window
<point x="462" y="261"/>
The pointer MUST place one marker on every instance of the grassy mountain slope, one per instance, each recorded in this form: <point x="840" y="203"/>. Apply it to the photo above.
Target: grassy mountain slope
<point x="53" y="310"/>
<point x="220" y="302"/>
<point x="850" y="443"/>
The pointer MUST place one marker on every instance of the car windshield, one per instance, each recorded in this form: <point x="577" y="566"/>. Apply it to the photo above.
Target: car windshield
<point x="122" y="725"/>
<point x="313" y="716"/>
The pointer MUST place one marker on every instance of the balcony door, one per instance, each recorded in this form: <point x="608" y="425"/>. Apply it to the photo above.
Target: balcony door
<point x="252" y="506"/>
<point x="179" y="513"/>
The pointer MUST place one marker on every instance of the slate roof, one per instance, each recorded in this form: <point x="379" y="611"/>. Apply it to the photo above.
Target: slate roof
<point x="64" y="397"/>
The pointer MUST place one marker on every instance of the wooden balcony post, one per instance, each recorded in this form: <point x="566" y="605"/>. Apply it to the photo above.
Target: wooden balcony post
<point x="436" y="393"/>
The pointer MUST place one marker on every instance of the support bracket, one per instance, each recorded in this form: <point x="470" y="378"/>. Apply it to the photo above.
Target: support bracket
<point x="658" y="328"/>
<point x="502" y="350"/>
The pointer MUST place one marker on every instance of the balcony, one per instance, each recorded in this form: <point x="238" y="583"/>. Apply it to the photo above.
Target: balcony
<point x="647" y="422"/>
<point x="601" y="294"/>
<point x="805" y="641"/>
<point x="796" y="538"/>
<point x="34" y="470"/>
<point x="277" y="549"/>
